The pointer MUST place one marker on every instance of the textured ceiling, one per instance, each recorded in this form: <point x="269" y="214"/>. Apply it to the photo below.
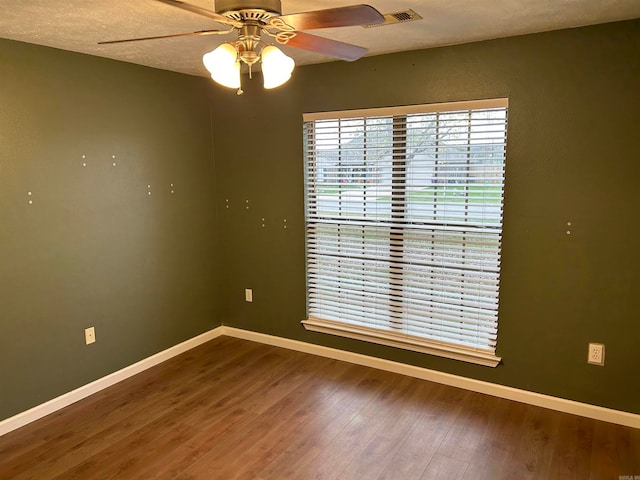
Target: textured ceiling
<point x="78" y="25"/>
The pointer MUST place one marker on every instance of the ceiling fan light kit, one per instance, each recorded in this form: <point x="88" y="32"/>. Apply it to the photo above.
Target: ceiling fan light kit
<point x="224" y="65"/>
<point x="253" y="18"/>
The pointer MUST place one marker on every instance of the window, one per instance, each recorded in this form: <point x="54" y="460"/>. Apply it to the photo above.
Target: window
<point x="404" y="225"/>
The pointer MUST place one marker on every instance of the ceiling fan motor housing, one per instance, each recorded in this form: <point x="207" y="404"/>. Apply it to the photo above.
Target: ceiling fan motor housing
<point x="224" y="6"/>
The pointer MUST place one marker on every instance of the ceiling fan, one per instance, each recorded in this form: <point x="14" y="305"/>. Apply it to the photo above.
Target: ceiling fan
<point x="253" y="19"/>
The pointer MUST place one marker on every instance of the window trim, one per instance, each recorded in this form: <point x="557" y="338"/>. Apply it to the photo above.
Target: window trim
<point x="391" y="338"/>
<point x="399" y="340"/>
<point x="408" y="109"/>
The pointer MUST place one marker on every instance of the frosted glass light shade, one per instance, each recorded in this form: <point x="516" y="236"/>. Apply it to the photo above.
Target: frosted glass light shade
<point x="276" y="67"/>
<point x="224" y="66"/>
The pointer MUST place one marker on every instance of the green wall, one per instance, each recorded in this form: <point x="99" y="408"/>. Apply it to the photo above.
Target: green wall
<point x="572" y="156"/>
<point x="94" y="248"/>
<point x="148" y="271"/>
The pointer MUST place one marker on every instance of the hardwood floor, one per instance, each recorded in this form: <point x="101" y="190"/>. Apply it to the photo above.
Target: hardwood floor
<point x="232" y="409"/>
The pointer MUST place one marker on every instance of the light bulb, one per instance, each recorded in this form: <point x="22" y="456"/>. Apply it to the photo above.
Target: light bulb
<point x="276" y="67"/>
<point x="224" y="66"/>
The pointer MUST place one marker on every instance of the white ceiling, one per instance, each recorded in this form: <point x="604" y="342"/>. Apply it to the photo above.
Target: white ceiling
<point x="78" y="25"/>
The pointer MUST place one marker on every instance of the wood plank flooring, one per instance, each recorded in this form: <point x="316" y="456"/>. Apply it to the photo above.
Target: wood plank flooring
<point x="232" y="409"/>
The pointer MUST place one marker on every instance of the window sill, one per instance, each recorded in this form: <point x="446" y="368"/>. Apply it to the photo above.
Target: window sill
<point x="403" y="341"/>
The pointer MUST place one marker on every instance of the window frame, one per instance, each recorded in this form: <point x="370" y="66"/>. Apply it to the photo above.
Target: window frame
<point x="387" y="337"/>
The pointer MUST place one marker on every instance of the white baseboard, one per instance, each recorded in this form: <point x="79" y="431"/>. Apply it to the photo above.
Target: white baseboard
<point x="39" y="411"/>
<point x="524" y="396"/>
<point x="531" y="398"/>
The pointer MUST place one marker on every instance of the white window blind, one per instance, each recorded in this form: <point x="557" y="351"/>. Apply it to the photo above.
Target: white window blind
<point x="404" y="223"/>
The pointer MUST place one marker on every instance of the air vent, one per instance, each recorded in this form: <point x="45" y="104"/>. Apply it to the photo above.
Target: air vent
<point x="397" y="17"/>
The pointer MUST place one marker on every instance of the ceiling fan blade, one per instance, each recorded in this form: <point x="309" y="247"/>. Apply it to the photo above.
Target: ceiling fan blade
<point x="201" y="11"/>
<point x="190" y="34"/>
<point x="333" y="17"/>
<point x="325" y="46"/>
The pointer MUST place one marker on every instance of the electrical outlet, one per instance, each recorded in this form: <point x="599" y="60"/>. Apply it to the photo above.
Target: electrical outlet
<point x="248" y="295"/>
<point x="596" y="354"/>
<point x="89" y="335"/>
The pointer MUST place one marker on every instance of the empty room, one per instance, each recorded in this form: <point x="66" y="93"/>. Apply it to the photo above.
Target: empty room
<point x="266" y="240"/>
